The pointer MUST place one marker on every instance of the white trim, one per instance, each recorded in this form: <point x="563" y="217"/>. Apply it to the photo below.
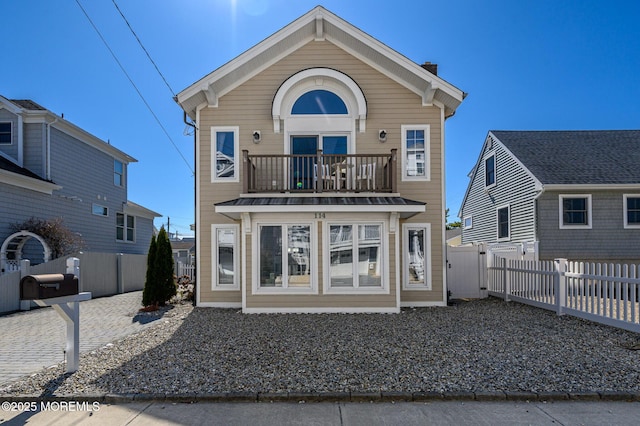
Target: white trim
<point x="561" y="224"/>
<point x="625" y="211"/>
<point x="592" y="187"/>
<point x="498" y="208"/>
<point x="428" y="275"/>
<point x="221" y="305"/>
<point x="125" y="228"/>
<point x="410" y="304"/>
<point x="233" y="211"/>
<point x="215" y="286"/>
<point x="198" y="232"/>
<point x="26" y="182"/>
<point x="383" y="256"/>
<point x="427" y="152"/>
<point x="286" y="288"/>
<point x="236" y="153"/>
<point x="337" y="310"/>
<point x="134" y="209"/>
<point x="464" y="220"/>
<point x="319" y="78"/>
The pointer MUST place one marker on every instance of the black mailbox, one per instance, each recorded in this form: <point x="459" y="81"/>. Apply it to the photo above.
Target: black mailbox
<point x="46" y="286"/>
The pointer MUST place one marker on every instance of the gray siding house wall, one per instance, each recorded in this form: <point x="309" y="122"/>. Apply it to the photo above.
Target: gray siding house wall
<point x="533" y="170"/>
<point x="514" y="187"/>
<point x="71" y="172"/>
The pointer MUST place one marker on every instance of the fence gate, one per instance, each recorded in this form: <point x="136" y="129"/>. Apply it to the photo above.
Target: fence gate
<point x="467" y="272"/>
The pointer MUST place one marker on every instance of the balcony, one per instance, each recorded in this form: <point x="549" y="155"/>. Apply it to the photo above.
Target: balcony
<point x="319" y="173"/>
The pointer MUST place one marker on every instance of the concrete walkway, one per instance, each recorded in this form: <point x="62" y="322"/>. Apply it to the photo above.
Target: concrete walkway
<point x="348" y="414"/>
<point x="32" y="340"/>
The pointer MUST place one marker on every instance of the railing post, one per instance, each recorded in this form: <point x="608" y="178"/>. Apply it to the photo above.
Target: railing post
<point x="560" y="285"/>
<point x="505" y="279"/>
<point x="392" y="170"/>
<point x="246" y="172"/>
<point x="319" y="172"/>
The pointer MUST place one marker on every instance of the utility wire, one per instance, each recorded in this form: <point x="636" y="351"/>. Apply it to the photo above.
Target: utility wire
<point x="135" y="87"/>
<point x="143" y="48"/>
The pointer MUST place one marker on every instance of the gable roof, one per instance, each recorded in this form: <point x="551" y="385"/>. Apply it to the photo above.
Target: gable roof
<point x="585" y="157"/>
<point x="320" y="24"/>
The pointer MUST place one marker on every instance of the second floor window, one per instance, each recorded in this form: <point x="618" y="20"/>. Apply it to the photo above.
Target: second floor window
<point x="5" y="134"/>
<point x="415" y="152"/>
<point x="224" y="153"/>
<point x="490" y="171"/>
<point x="118" y="173"/>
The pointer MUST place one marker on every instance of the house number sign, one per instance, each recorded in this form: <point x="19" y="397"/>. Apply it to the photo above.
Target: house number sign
<point x="320" y="215"/>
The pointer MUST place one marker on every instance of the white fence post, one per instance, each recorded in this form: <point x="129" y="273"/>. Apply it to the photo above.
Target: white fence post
<point x="560" y="285"/>
<point x="120" y="273"/>
<point x="505" y="279"/>
<point x="73" y="266"/>
<point x="25" y="269"/>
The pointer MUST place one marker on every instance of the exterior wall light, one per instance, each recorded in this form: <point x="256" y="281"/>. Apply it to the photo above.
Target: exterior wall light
<point x="382" y="136"/>
<point x="257" y="136"/>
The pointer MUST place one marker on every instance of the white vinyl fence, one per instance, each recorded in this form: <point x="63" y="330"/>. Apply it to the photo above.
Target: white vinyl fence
<point x="182" y="269"/>
<point x="103" y="274"/>
<point x="604" y="293"/>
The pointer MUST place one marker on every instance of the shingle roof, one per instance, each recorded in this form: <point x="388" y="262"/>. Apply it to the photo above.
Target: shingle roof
<point x="577" y="157"/>
<point x="28" y="104"/>
<point x="14" y="168"/>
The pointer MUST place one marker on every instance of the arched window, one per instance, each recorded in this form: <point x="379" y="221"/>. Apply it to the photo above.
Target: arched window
<point x="317" y="102"/>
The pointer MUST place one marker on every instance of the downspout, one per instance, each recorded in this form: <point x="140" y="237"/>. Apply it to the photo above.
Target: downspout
<point x="195" y="204"/>
<point x="535" y="212"/>
<point x="47" y="173"/>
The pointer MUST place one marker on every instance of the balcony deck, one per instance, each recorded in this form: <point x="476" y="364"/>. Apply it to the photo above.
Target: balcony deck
<point x="342" y="173"/>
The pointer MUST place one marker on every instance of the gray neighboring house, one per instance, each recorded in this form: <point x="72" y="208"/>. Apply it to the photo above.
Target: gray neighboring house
<point x="575" y="193"/>
<point x="51" y="168"/>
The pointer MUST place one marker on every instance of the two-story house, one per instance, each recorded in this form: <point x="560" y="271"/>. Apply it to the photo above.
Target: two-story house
<point x="51" y="168"/>
<point x="320" y="165"/>
<point x="575" y="193"/>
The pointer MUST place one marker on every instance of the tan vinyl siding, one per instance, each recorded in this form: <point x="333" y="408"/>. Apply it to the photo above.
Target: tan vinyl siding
<point x="390" y="106"/>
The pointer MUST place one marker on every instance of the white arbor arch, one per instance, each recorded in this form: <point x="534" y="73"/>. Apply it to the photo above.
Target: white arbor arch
<point x="11" y="250"/>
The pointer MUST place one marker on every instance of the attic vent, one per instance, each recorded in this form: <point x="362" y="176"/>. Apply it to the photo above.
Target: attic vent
<point x="432" y="68"/>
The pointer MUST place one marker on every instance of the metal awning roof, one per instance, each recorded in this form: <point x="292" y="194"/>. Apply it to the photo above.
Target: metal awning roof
<point x="403" y="206"/>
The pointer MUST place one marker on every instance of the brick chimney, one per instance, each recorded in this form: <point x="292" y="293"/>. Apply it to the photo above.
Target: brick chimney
<point x="432" y="68"/>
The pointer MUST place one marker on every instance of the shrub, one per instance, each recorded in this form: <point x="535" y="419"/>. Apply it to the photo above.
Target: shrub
<point x="60" y="239"/>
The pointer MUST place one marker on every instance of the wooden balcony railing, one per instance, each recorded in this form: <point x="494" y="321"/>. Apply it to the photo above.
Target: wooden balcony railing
<point x="320" y="173"/>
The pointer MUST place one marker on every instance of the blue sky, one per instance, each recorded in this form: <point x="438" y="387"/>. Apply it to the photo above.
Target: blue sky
<point x="526" y="64"/>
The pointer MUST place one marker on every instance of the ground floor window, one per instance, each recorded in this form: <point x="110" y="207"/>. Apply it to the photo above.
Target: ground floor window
<point x="355" y="256"/>
<point x="285" y="256"/>
<point x="416" y="249"/>
<point x="225" y="257"/>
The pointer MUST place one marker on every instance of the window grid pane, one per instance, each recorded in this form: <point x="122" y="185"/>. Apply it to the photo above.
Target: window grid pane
<point x="225" y="154"/>
<point x="225" y="240"/>
<point x="298" y="254"/>
<point x="415" y="161"/>
<point x="633" y="210"/>
<point x="416" y="256"/>
<point x="341" y="255"/>
<point x="490" y="171"/>
<point x="575" y="211"/>
<point x="503" y="222"/>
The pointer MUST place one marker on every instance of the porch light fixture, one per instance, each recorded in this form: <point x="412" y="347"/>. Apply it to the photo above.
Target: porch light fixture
<point x="257" y="136"/>
<point x="382" y="136"/>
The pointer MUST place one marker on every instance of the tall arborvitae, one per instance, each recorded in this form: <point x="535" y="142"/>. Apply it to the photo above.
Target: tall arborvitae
<point x="164" y="267"/>
<point x="150" y="294"/>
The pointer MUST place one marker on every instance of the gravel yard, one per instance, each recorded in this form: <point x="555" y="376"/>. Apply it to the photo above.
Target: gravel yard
<point x="477" y="346"/>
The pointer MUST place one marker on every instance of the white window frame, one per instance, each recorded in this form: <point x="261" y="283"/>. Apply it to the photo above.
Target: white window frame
<point x="215" y="285"/>
<point x="508" y="237"/>
<point x="236" y="153"/>
<point x="495" y="169"/>
<point x="313" y="259"/>
<point x="384" y="256"/>
<point x="625" y="210"/>
<point x="10" y="133"/>
<point x="125" y="228"/>
<point x="464" y="222"/>
<point x="426" y="227"/>
<point x="561" y="224"/>
<point x="427" y="152"/>
<point x="121" y="175"/>
<point x="94" y="208"/>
